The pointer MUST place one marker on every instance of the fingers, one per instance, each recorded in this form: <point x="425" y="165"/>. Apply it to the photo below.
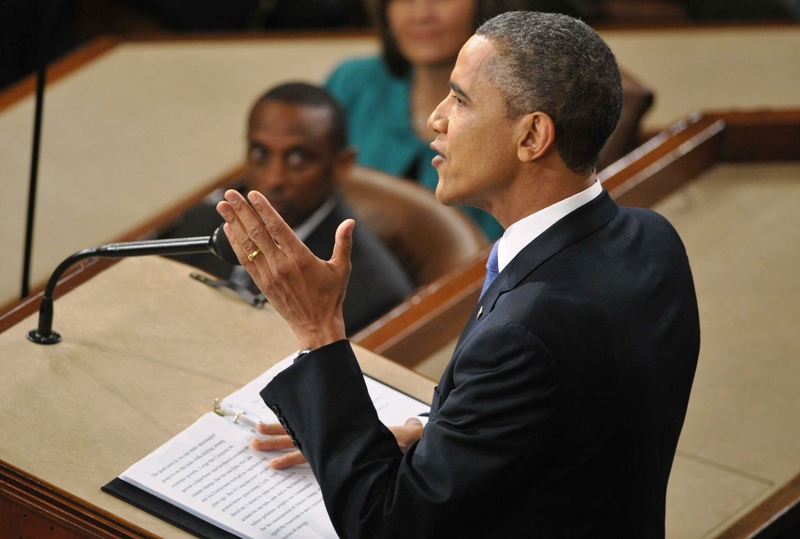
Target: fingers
<point x="274" y="223"/>
<point x="289" y="459"/>
<point x="271" y="429"/>
<point x="306" y="291"/>
<point x="278" y="440"/>
<point x="273" y="443"/>
<point x="344" y="244"/>
<point x="235" y="231"/>
<point x="407" y="434"/>
<point x="248" y="230"/>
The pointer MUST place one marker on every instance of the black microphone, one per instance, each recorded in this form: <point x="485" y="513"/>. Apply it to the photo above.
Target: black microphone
<point x="221" y="247"/>
<point x="216" y="243"/>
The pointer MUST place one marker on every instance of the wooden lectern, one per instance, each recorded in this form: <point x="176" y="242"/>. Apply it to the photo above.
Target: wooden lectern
<point x="145" y="351"/>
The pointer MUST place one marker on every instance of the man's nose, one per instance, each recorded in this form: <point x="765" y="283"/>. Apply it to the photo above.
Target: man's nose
<point x="437" y="121"/>
<point x="271" y="176"/>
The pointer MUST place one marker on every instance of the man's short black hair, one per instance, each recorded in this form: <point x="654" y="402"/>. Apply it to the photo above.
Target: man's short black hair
<point x="308" y="95"/>
<point x="557" y="65"/>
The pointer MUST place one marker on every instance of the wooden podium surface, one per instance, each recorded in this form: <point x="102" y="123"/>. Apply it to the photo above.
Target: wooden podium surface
<point x="145" y="351"/>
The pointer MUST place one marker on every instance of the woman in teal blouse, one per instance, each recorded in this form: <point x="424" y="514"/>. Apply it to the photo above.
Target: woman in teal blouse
<point x="388" y="99"/>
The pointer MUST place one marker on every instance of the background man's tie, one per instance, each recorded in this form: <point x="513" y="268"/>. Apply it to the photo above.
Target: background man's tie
<point x="491" y="268"/>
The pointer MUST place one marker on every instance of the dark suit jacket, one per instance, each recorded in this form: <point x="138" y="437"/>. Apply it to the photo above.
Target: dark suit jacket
<point x="558" y="414"/>
<point x="377" y="281"/>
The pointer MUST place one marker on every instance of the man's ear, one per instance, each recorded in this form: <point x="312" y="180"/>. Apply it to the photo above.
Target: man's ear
<point x="537" y="136"/>
<point x="343" y="164"/>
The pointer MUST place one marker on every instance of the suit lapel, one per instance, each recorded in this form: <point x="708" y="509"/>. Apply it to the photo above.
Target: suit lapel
<point x="565" y="232"/>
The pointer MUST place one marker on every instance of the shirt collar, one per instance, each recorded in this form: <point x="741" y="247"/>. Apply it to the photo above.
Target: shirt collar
<point x="527" y="229"/>
<point x="304" y="229"/>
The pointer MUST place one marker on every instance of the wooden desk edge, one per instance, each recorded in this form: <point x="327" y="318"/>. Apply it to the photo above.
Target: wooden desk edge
<point x="37" y="506"/>
<point x="778" y="514"/>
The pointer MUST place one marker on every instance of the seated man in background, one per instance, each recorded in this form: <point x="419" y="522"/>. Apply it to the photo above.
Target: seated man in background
<point x="297" y="152"/>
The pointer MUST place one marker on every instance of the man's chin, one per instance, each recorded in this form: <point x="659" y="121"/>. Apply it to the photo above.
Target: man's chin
<point x="453" y="198"/>
<point x="446" y="196"/>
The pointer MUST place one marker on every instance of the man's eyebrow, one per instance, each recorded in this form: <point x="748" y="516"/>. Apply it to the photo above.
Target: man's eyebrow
<point x="457" y="89"/>
<point x="301" y="147"/>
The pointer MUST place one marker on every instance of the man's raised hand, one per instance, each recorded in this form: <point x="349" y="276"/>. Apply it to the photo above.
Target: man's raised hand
<point x="306" y="291"/>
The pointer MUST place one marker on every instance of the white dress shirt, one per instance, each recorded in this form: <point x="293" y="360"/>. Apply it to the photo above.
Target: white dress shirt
<point x="527" y="229"/>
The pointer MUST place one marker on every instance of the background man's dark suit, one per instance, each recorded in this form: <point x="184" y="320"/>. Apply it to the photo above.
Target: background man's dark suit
<point x="531" y="434"/>
<point x="377" y="283"/>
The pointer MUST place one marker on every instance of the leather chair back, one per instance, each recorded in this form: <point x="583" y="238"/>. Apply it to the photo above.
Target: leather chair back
<point x="428" y="238"/>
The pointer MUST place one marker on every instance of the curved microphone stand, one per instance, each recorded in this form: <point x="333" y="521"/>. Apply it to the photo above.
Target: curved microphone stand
<point x="217" y="244"/>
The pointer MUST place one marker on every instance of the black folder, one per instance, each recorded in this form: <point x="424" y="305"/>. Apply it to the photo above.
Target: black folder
<point x="165" y="511"/>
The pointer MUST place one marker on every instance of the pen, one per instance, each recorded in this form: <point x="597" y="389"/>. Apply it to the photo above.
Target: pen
<point x="238" y="417"/>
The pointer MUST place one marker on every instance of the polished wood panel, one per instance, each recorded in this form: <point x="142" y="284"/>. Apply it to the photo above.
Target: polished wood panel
<point x="777" y="517"/>
<point x="765" y="135"/>
<point x="30" y="508"/>
<point x="664" y="163"/>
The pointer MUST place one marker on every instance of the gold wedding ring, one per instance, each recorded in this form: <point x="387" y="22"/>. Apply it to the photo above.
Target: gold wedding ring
<point x="253" y="255"/>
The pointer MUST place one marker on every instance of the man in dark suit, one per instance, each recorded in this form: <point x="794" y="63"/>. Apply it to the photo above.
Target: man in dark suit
<point x="560" y="410"/>
<point x="297" y="153"/>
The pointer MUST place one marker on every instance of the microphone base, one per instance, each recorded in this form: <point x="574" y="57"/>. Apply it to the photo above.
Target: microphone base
<point x="38" y="338"/>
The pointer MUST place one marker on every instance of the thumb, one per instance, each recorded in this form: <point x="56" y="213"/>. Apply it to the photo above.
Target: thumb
<point x="344" y="244"/>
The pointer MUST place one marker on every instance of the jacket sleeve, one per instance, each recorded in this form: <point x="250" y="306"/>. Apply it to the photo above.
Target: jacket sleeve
<point x="482" y="442"/>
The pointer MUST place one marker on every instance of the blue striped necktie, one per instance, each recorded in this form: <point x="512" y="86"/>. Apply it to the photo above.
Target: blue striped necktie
<point x="491" y="269"/>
